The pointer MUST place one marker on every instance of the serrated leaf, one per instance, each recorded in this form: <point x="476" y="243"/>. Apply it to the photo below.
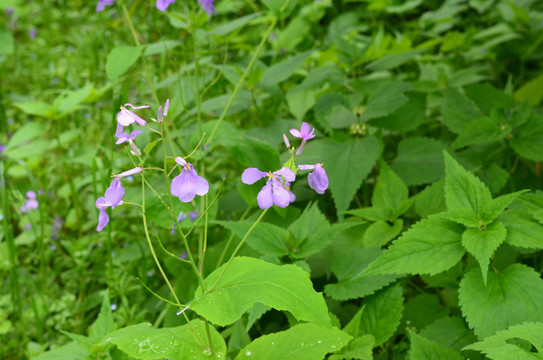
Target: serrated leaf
<point x="406" y="118"/>
<point x="381" y="232"/>
<point x="431" y="200"/>
<point x="283" y="70"/>
<point x="463" y="190"/>
<point x="528" y="142"/>
<point x="83" y="341"/>
<point x="390" y="191"/>
<point x="369" y="213"/>
<point x="142" y="341"/>
<point x="248" y="281"/>
<point x="386" y="100"/>
<point x="481" y="243"/>
<point x="498" y="205"/>
<point x="510" y="297"/>
<point x="382" y="313"/>
<point x="480" y="131"/>
<point x="449" y="331"/>
<point x="300" y="342"/>
<point x="430" y="246"/>
<point x="458" y="110"/>
<point x="320" y="240"/>
<point x="504" y="345"/>
<point x="347" y="165"/>
<point x="268" y="239"/>
<point x="353" y="327"/>
<point x="349" y="263"/>
<point x="522" y="230"/>
<point x="419" y="160"/>
<point x="256" y="313"/>
<point x="360" y="348"/>
<point x="120" y="59"/>
<point x="422" y="310"/>
<point x="424" y="349"/>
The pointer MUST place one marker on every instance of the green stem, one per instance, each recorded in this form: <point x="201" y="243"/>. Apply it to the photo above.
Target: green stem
<point x="229" y="241"/>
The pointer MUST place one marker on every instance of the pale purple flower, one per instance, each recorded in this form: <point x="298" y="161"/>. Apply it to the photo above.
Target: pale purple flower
<point x="126" y="117"/>
<point x="28" y="226"/>
<point x="32" y="33"/>
<point x="124" y="137"/>
<point x="318" y="180"/>
<point x="162" y="5"/>
<point x="9" y="11"/>
<point x="208" y="6"/>
<point x="292" y="196"/>
<point x="274" y="191"/>
<point x="113" y="307"/>
<point x="285" y="139"/>
<point x="182" y="216"/>
<point x="2" y="148"/>
<point x="30" y="204"/>
<point x="188" y="184"/>
<point x="193" y="215"/>
<point x="161" y="114"/>
<point x="305" y="133"/>
<point x="102" y="4"/>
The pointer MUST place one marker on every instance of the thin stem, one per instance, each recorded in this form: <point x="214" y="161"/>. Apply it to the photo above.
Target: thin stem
<point x="236" y="250"/>
<point x="229" y="241"/>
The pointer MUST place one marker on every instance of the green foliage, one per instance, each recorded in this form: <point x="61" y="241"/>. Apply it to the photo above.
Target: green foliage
<point x="424" y="349"/>
<point x="120" y="59"/>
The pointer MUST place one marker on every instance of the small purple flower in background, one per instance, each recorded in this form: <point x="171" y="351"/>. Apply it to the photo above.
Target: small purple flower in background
<point x="32" y="33"/>
<point x="162" y="5"/>
<point x="102" y="4"/>
<point x="57" y="226"/>
<point x="305" y="134"/>
<point x="183" y="256"/>
<point x="318" y="180"/>
<point x="31" y="202"/>
<point x="124" y="137"/>
<point x="208" y="6"/>
<point x="28" y="226"/>
<point x="188" y="184"/>
<point x="161" y="114"/>
<point x="126" y="117"/>
<point x="112" y="197"/>
<point x="193" y="215"/>
<point x="274" y="191"/>
<point x="182" y="216"/>
<point x="2" y="148"/>
<point x="9" y="11"/>
<point x="113" y="307"/>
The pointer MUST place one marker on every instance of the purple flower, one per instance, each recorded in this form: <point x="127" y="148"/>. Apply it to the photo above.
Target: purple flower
<point x="112" y="197"/>
<point x="193" y="215"/>
<point x="31" y="202"/>
<point x="188" y="184"/>
<point x="304" y="133"/>
<point x="318" y="180"/>
<point x="274" y="192"/>
<point x="113" y="307"/>
<point x="161" y="114"/>
<point x="208" y="6"/>
<point x="124" y="137"/>
<point x="292" y="196"/>
<point x="2" y="148"/>
<point x="102" y="4"/>
<point x="32" y="33"/>
<point x="126" y="117"/>
<point x="9" y="11"/>
<point x="162" y="5"/>
<point x="182" y="216"/>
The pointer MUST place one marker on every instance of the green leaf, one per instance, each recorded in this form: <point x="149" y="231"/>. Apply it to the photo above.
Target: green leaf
<point x="268" y="239"/>
<point x="528" y="142"/>
<point x="390" y="192"/>
<point x="382" y="313"/>
<point x="458" y="110"/>
<point x="70" y="351"/>
<point x="120" y="59"/>
<point x="300" y="100"/>
<point x="248" y="281"/>
<point x="161" y="47"/>
<point x="532" y="91"/>
<point x="392" y="61"/>
<point x="347" y="165"/>
<point x="252" y="152"/>
<point x="386" y="100"/>
<point x="7" y="42"/>
<point x="480" y="131"/>
<point x="505" y="346"/>
<point x="277" y="5"/>
<point x="406" y="118"/>
<point x="26" y="133"/>
<point x="283" y="70"/>
<point x="422" y="310"/>
<point x="431" y="200"/>
<point x="142" y="341"/>
<point x="38" y="108"/>
<point x="300" y="342"/>
<point x="381" y="232"/>
<point x="481" y="243"/>
<point x="346" y="266"/>
<point x="104" y="324"/>
<point x="230" y="26"/>
<point x="72" y="100"/>
<point x="353" y="327"/>
<point x="369" y="213"/>
<point x="333" y="111"/>
<point x="150" y="146"/>
<point x="510" y="297"/>
<point x="424" y="349"/>
<point x="449" y="331"/>
<point x="463" y="190"/>
<point x="498" y="205"/>
<point x="419" y="160"/>
<point x="430" y="246"/>
<point x="522" y="229"/>
<point x="487" y="97"/>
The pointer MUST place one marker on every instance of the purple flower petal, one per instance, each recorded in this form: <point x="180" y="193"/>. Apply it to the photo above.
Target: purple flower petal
<point x="31" y="194"/>
<point x="103" y="220"/>
<point x="295" y="133"/>
<point x="264" y="197"/>
<point x="286" y="173"/>
<point x="162" y="5"/>
<point x="280" y="195"/>
<point x="318" y="180"/>
<point x="102" y="4"/>
<point x="126" y="117"/>
<point x="252" y="175"/>
<point x="208" y="6"/>
<point x="133" y="171"/>
<point x="188" y="184"/>
<point x="166" y="107"/>
<point x="114" y="193"/>
<point x="180" y="161"/>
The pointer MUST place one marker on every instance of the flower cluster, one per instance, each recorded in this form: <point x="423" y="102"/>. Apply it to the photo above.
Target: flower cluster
<point x="31" y="202"/>
<point x="208" y="6"/>
<point x="161" y="5"/>
<point x="277" y="189"/>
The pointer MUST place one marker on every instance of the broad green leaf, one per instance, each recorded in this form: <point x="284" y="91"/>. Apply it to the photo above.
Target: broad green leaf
<point x="300" y="100"/>
<point x="463" y="190"/>
<point x="294" y="33"/>
<point x="406" y="118"/>
<point x="120" y="59"/>
<point x="359" y="348"/>
<point x="390" y="191"/>
<point x="392" y="61"/>
<point x="353" y="327"/>
<point x="382" y="313"/>
<point x="347" y="165"/>
<point x="7" y="42"/>
<point x="70" y="351"/>
<point x="381" y="232"/>
<point x="230" y="26"/>
<point x="161" y="47"/>
<point x="72" y="100"/>
<point x="248" y="281"/>
<point x="369" y="213"/>
<point x="268" y="239"/>
<point x="300" y="342"/>
<point x="431" y="200"/>
<point x="419" y="160"/>
<point x="510" y="297"/>
<point x="277" y="5"/>
<point x="256" y="313"/>
<point x="481" y="243"/>
<point x="104" y="324"/>
<point x="333" y="111"/>
<point x="38" y="108"/>
<point x="310" y="222"/>
<point x="424" y="349"/>
<point x="480" y="131"/>
<point x="430" y="246"/>
<point x="318" y="241"/>
<point x="528" y="142"/>
<point x="449" y="331"/>
<point x="386" y="100"/>
<point x="457" y="110"/>
<point x="251" y="152"/>
<point x="498" y="205"/>
<point x="84" y="342"/>
<point x="283" y="70"/>
<point x="346" y="265"/>
<point x="37" y="147"/>
<point x="26" y="133"/>
<point x="487" y="97"/>
<point x="532" y="91"/>
<point x="142" y="341"/>
<point x="522" y="230"/>
<point x="422" y="310"/>
<point x="505" y="346"/>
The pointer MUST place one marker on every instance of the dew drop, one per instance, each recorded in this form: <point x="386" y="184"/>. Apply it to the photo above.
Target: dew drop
<point x="318" y="342"/>
<point x="248" y="353"/>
